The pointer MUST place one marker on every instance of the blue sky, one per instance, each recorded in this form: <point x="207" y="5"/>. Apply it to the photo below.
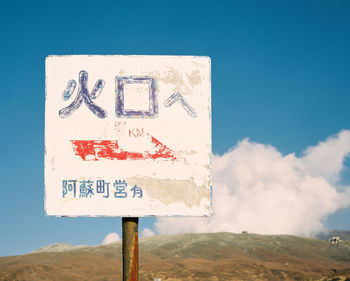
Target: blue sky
<point x="280" y="76"/>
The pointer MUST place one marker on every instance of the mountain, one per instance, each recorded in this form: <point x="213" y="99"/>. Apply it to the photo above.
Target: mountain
<point x="342" y="234"/>
<point x="209" y="257"/>
<point x="59" y="248"/>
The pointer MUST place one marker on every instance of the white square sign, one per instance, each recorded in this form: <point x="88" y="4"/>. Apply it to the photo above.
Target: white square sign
<point x="127" y="136"/>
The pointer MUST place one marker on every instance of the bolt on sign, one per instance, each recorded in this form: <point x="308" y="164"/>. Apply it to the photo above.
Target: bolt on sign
<point x="128" y="136"/>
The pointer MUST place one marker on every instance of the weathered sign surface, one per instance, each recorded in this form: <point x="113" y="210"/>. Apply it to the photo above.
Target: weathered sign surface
<point x="127" y="136"/>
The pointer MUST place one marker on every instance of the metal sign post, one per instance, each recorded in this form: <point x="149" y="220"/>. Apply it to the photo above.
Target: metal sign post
<point x="130" y="246"/>
<point x="128" y="136"/>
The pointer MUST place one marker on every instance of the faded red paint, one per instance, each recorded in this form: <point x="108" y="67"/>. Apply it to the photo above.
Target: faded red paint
<point x="162" y="150"/>
<point x="109" y="149"/>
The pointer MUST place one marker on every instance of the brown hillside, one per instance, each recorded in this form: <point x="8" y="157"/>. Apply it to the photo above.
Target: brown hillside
<point x="215" y="256"/>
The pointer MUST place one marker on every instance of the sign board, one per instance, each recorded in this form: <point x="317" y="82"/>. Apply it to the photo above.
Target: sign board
<point x="127" y="136"/>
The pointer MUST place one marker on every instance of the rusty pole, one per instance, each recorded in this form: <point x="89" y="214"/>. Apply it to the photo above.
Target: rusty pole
<point x="130" y="246"/>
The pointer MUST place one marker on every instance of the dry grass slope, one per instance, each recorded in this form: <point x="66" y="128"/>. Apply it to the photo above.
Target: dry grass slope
<point x="210" y="257"/>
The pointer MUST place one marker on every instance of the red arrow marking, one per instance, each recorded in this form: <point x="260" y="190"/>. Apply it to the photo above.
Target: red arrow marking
<point x="109" y="149"/>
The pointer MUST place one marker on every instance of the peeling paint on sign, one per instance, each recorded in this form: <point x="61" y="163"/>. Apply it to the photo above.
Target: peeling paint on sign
<point x="128" y="136"/>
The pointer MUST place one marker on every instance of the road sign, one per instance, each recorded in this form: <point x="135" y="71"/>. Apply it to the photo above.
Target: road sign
<point x="127" y="136"/>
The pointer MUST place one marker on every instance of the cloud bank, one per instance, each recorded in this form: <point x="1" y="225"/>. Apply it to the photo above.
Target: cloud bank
<point x="259" y="190"/>
<point x="111" y="238"/>
<point x="147" y="232"/>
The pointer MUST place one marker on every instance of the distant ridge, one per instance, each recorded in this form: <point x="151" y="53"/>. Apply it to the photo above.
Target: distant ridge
<point x="190" y="257"/>
<point x="59" y="247"/>
<point x="342" y="234"/>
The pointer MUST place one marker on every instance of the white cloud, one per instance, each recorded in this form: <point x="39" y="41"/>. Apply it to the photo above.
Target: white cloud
<point x="326" y="159"/>
<point x="147" y="232"/>
<point x="257" y="189"/>
<point x="111" y="238"/>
